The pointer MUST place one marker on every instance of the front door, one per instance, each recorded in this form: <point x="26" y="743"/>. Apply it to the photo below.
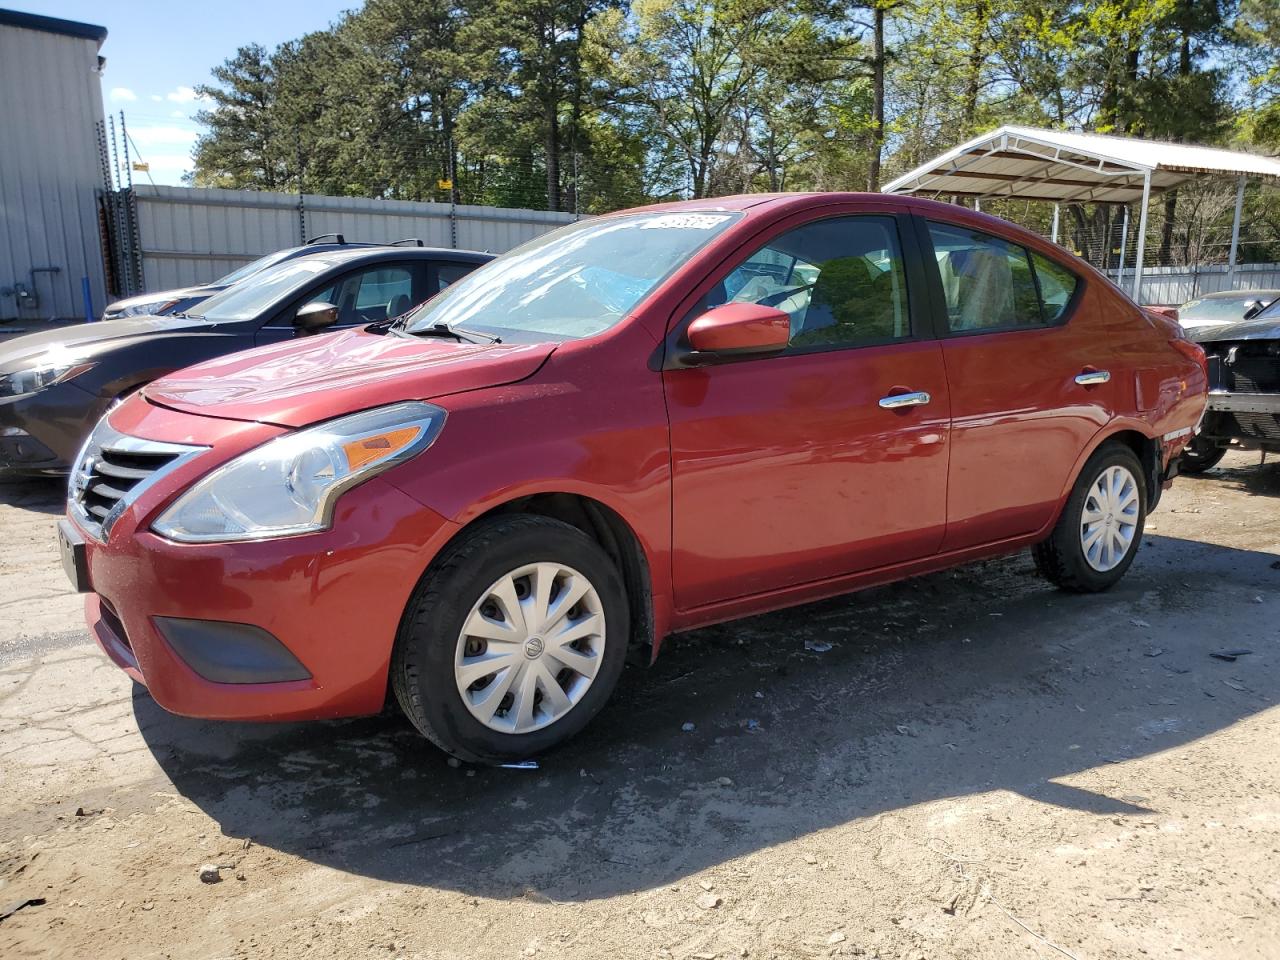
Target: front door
<point x="810" y="464"/>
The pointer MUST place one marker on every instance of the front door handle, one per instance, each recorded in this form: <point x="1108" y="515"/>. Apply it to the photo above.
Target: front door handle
<point x="1091" y="378"/>
<point x="896" y="401"/>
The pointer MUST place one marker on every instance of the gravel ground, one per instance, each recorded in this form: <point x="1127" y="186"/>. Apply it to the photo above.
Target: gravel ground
<point x="978" y="767"/>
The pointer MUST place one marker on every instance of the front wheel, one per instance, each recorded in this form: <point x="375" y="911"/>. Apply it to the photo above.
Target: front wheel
<point x="513" y="641"/>
<point x="1097" y="535"/>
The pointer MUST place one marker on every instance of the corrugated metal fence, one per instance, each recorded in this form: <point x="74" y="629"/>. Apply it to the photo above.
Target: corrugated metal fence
<point x="190" y="235"/>
<point x="1175" y="285"/>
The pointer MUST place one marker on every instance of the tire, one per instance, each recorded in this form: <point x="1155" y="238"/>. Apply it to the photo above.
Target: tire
<point x="472" y="587"/>
<point x="1199" y="456"/>
<point x="1062" y="559"/>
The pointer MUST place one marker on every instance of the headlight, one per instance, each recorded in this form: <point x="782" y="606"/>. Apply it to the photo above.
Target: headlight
<point x="289" y="485"/>
<point x="46" y="374"/>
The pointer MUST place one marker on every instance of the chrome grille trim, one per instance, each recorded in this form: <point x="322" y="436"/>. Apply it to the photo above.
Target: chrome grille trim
<point x="113" y="469"/>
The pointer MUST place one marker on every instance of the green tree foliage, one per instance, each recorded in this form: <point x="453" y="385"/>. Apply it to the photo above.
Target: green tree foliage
<point x="591" y="105"/>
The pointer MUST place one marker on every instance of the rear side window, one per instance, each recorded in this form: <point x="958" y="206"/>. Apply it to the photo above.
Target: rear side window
<point x="1057" y="286"/>
<point x="987" y="282"/>
<point x="447" y="273"/>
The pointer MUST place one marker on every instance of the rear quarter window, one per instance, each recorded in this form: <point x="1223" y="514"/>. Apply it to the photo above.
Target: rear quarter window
<point x="1057" y="287"/>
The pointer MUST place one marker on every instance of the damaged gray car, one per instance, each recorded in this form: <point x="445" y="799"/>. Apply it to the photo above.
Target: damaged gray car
<point x="1244" y="390"/>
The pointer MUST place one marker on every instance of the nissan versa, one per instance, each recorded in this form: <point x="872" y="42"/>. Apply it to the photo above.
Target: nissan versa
<point x="635" y="425"/>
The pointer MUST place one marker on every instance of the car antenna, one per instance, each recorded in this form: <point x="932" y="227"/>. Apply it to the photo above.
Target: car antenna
<point x="337" y="238"/>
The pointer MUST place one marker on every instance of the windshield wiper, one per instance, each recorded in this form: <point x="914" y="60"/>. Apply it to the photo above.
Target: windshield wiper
<point x="442" y="329"/>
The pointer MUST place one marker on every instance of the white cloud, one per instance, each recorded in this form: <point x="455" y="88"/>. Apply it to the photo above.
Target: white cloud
<point x="178" y="114"/>
<point x="157" y="98"/>
<point x="183" y="95"/>
<point x="163" y="136"/>
<point x="122" y="93"/>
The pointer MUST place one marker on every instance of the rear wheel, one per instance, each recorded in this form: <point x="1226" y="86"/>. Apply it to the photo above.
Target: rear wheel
<point x="1200" y="455"/>
<point x="513" y="641"/>
<point x="1097" y="535"/>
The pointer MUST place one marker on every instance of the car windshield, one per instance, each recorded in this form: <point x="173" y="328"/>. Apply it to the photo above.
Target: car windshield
<point x="1218" y="310"/>
<point x="575" y="282"/>
<point x="249" y="299"/>
<point x="257" y="266"/>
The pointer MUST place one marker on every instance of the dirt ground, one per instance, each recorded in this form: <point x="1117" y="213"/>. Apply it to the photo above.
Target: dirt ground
<point x="977" y="767"/>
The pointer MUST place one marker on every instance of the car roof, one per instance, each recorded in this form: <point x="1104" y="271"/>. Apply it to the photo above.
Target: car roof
<point x="1240" y="295"/>
<point x="341" y="256"/>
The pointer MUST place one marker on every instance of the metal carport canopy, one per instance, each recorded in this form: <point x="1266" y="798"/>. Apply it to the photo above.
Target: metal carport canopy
<point x="1059" y="167"/>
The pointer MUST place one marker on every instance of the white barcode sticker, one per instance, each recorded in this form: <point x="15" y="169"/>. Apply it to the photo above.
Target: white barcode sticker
<point x="684" y="221"/>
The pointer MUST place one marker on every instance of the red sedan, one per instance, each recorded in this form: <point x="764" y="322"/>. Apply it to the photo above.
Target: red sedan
<point x="638" y="424"/>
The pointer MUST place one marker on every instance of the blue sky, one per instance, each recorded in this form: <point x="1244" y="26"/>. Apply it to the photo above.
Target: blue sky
<point x="157" y="52"/>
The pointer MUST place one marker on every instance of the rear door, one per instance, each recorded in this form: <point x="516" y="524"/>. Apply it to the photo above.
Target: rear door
<point x="1028" y="368"/>
<point x="789" y="468"/>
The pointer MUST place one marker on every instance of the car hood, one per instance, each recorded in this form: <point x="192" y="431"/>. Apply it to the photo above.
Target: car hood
<point x="1268" y="329"/>
<point x="182" y="293"/>
<point x="83" y="340"/>
<point x="304" y="381"/>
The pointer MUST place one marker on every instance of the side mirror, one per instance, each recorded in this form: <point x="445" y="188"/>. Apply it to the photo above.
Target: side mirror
<point x="739" y="329"/>
<point x="314" y="317"/>
<point x="1252" y="309"/>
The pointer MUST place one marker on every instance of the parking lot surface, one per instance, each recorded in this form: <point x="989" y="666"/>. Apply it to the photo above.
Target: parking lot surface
<point x="969" y="764"/>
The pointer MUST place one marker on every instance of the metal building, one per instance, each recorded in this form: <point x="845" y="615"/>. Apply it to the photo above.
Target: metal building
<point x="50" y="168"/>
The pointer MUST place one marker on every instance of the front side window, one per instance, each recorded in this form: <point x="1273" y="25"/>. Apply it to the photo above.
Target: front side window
<point x="575" y="282"/>
<point x="841" y="282"/>
<point x="367" y="296"/>
<point x="987" y="282"/>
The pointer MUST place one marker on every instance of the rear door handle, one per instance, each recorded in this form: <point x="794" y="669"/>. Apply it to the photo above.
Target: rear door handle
<point x="897" y="400"/>
<point x="1093" y="377"/>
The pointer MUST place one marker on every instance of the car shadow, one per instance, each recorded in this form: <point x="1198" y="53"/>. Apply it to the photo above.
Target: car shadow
<point x="974" y="680"/>
<point x="1257" y="479"/>
<point x="43" y="494"/>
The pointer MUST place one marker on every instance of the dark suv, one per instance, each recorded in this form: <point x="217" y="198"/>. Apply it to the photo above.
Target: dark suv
<point x="55" y="385"/>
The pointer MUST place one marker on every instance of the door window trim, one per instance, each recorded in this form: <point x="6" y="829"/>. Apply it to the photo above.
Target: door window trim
<point x="938" y="298"/>
<point x="919" y="314"/>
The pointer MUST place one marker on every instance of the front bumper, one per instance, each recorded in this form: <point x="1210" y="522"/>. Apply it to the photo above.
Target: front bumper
<point x="40" y="433"/>
<point x="1244" y="402"/>
<point x="333" y="600"/>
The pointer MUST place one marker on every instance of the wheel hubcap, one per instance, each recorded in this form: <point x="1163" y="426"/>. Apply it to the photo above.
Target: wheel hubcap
<point x="530" y="647"/>
<point x="1109" y="521"/>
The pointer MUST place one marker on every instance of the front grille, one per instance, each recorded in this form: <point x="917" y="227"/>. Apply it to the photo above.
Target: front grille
<point x="112" y="471"/>
<point x="112" y="474"/>
<point x="1251" y="366"/>
<point x="1254" y="374"/>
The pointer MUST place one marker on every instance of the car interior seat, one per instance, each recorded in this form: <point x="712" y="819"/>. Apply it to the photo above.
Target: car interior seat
<point x="399" y="304"/>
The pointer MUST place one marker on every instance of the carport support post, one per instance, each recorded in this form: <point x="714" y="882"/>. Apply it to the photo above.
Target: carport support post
<point x="1235" y="236"/>
<point x="1142" y="237"/>
<point x="1124" y="243"/>
<point x="1054" y="237"/>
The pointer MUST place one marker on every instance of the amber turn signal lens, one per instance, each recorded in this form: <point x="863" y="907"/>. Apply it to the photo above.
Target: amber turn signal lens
<point x="378" y="447"/>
